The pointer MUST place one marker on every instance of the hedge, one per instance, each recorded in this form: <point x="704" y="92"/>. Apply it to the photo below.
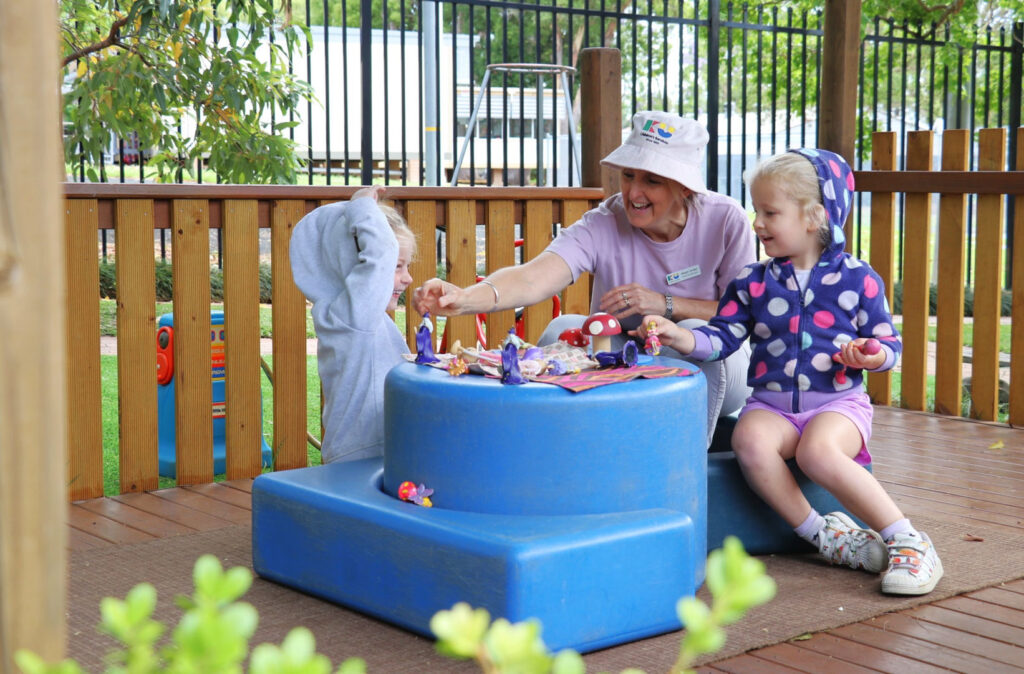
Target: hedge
<point x="165" y="283"/>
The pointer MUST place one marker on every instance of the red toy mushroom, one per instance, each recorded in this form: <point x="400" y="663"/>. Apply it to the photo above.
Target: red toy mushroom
<point x="573" y="337"/>
<point x="600" y="327"/>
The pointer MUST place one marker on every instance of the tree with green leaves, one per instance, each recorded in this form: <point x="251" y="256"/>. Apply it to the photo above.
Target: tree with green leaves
<point x="199" y="81"/>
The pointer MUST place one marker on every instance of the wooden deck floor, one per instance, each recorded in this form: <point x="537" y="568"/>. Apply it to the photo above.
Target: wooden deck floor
<point x="961" y="471"/>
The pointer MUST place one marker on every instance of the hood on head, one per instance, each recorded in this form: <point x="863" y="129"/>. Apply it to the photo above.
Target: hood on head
<point x="835" y="181"/>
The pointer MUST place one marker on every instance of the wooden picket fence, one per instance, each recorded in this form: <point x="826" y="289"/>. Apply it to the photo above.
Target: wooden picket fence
<point x="992" y="184"/>
<point x="189" y="212"/>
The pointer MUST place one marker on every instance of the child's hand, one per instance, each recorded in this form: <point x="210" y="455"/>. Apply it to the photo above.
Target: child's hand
<point x="865" y="354"/>
<point x="375" y="192"/>
<point x="669" y="333"/>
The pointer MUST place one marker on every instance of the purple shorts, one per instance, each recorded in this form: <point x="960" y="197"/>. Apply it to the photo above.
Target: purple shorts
<point x="857" y="408"/>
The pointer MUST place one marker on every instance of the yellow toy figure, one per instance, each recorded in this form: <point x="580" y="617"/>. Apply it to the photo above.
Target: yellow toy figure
<point x="652" y="345"/>
<point x="458" y="366"/>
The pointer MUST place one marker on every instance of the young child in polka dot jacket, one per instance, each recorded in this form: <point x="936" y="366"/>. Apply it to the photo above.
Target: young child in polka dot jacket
<point x="816" y="318"/>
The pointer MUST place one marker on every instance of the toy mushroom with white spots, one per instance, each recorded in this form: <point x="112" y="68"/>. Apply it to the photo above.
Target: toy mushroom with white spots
<point x="600" y="327"/>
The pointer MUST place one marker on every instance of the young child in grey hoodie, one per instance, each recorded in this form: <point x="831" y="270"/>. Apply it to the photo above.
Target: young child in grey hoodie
<point x="351" y="260"/>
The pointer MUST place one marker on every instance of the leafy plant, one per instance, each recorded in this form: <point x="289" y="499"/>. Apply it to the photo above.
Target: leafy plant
<point x="165" y="281"/>
<point x="212" y="635"/>
<point x="736" y="580"/>
<point x="190" y="82"/>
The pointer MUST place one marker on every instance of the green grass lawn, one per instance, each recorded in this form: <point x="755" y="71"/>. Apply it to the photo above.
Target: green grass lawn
<point x="1004" y="335"/>
<point x="108" y="382"/>
<point x="108" y="375"/>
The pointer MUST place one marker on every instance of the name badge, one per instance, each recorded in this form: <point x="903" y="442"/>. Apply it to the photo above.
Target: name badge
<point x="683" y="274"/>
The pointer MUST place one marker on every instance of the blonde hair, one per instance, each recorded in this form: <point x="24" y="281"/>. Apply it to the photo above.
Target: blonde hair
<point x="796" y="177"/>
<point x="399" y="226"/>
<point x="691" y="202"/>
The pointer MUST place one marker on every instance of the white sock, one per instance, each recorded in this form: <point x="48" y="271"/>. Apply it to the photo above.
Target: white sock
<point x="811" y="527"/>
<point x="902" y="526"/>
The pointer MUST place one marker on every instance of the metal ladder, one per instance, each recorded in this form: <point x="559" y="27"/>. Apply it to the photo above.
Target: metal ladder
<point x="540" y="69"/>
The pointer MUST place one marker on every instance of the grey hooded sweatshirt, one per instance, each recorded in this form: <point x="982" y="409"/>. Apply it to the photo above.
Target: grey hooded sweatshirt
<point x="343" y="258"/>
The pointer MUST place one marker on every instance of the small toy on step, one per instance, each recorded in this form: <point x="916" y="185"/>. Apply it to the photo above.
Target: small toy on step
<point x="408" y="491"/>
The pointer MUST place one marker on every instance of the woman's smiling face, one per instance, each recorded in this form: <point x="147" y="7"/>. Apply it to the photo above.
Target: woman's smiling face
<point x="653" y="203"/>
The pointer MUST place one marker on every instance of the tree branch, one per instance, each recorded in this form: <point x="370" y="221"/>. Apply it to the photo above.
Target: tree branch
<point x="948" y="9"/>
<point x="111" y="39"/>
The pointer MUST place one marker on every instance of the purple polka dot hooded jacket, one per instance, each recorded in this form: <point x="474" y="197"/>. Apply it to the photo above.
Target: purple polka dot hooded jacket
<point x="793" y="337"/>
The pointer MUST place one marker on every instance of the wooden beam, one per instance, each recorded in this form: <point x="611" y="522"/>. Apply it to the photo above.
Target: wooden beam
<point x="944" y="182"/>
<point x="33" y="388"/>
<point x="600" y="114"/>
<point x="837" y="123"/>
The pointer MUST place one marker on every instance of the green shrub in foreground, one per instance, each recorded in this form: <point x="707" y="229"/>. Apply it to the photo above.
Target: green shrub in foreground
<point x="214" y="631"/>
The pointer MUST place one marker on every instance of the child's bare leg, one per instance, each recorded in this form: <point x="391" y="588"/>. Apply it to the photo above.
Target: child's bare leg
<point x="825" y="454"/>
<point x="762" y="442"/>
<point x="762" y="445"/>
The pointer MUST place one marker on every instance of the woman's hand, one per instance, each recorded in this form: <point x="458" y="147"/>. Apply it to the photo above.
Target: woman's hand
<point x="632" y="299"/>
<point x="860" y="353"/>
<point x="440" y="298"/>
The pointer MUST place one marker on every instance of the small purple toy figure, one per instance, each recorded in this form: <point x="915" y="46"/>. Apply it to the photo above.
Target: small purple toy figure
<point x="510" y="373"/>
<point x="652" y="345"/>
<point x="628" y="357"/>
<point x="424" y="342"/>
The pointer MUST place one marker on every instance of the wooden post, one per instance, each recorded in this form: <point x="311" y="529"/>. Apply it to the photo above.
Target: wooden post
<point x="949" y="332"/>
<point x="988" y="281"/>
<point x="601" y="114"/>
<point x="883" y="256"/>
<point x="1017" y="324"/>
<point x="837" y="121"/>
<point x="917" y="270"/>
<point x="33" y="388"/>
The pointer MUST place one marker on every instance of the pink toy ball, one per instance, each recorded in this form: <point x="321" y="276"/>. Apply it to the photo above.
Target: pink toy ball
<point x="871" y="347"/>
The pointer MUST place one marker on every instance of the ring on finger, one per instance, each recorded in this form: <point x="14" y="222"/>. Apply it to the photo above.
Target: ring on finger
<point x="626" y="300"/>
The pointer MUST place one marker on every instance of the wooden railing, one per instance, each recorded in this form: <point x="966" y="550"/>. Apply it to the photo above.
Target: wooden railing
<point x="991" y="182"/>
<point x="191" y="211"/>
<point x="134" y="212"/>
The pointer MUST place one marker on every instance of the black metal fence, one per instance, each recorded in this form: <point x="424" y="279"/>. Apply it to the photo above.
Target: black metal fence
<point x="397" y="82"/>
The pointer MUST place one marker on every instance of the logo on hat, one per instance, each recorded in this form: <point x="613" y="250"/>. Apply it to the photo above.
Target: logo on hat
<point x="657" y="130"/>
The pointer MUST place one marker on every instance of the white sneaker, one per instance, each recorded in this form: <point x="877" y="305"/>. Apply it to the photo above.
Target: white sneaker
<point x="914" y="566"/>
<point x="843" y="542"/>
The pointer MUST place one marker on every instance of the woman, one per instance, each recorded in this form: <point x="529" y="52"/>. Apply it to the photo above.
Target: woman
<point x="664" y="245"/>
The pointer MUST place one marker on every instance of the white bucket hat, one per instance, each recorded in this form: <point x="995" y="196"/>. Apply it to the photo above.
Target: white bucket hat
<point x="667" y="145"/>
